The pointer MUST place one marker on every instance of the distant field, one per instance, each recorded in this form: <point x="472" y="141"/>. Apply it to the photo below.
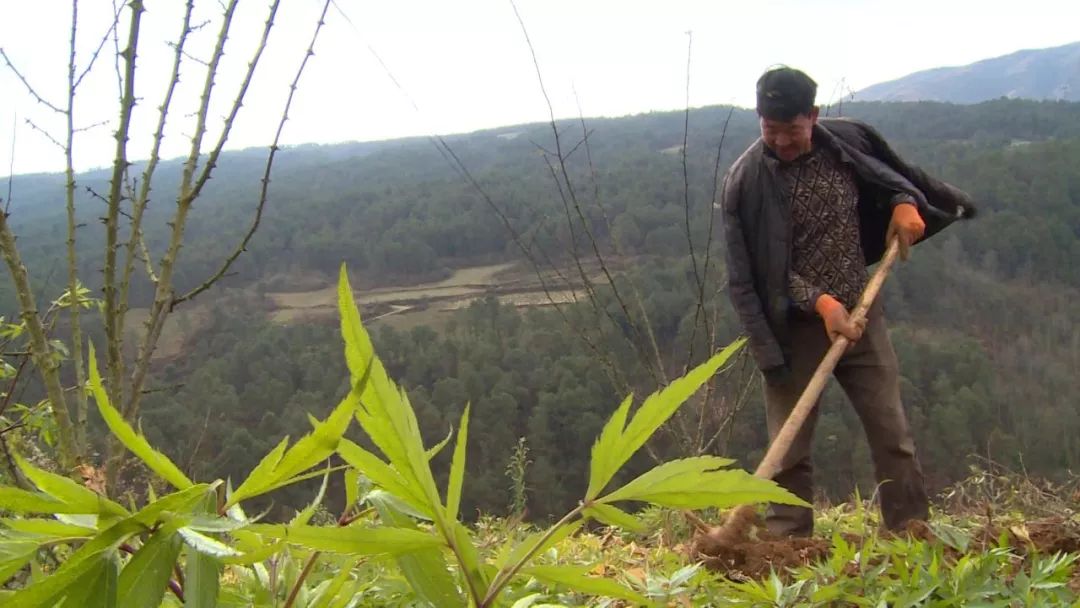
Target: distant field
<point x="407" y="306"/>
<point x="401" y="307"/>
<point x="178" y="327"/>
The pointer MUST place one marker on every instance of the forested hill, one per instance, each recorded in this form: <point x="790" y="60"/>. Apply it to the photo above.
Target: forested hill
<point x="400" y="209"/>
<point x="985" y="315"/>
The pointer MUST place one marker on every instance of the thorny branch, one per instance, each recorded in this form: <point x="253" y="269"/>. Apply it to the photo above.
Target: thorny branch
<point x="26" y="83"/>
<point x="657" y="372"/>
<point x="44" y="133"/>
<point x="266" y="174"/>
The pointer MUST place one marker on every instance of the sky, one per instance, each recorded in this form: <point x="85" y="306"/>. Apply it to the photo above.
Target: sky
<point x="384" y="69"/>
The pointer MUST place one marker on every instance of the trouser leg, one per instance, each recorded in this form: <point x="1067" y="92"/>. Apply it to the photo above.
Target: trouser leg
<point x="808" y="346"/>
<point x="870" y="376"/>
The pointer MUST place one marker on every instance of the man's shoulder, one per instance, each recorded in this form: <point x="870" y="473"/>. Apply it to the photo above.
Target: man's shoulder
<point x="844" y="126"/>
<point x="851" y="131"/>
<point x="748" y="161"/>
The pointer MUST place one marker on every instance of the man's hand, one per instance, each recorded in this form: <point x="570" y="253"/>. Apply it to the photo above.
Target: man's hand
<point x="907" y="225"/>
<point x="837" y="321"/>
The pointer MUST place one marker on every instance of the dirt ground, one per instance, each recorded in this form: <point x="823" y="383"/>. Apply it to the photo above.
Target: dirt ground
<point x="751" y="552"/>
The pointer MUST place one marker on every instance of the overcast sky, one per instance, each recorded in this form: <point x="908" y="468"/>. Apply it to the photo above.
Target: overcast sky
<point x="464" y="65"/>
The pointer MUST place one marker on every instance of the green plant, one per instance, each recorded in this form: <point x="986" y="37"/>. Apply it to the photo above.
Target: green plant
<point x="187" y="542"/>
<point x="515" y="470"/>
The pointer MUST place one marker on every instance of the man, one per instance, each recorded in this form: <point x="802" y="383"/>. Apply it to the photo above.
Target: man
<point x="806" y="209"/>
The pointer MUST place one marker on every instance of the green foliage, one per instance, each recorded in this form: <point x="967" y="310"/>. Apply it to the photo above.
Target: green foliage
<point x="135" y="442"/>
<point x="515" y="470"/>
<point x="128" y="559"/>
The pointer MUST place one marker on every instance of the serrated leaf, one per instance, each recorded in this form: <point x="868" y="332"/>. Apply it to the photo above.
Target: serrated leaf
<point x="202" y="579"/>
<point x="67" y="491"/>
<point x="309" y="451"/>
<point x="325" y="596"/>
<point x="303" y="517"/>
<point x="14" y="555"/>
<point x="426" y="570"/>
<point x="528" y="601"/>
<point x="457" y="468"/>
<point x="48" y="530"/>
<point x="438" y="447"/>
<point x="51" y="590"/>
<point x="209" y="523"/>
<point x="398" y="504"/>
<point x="384" y="413"/>
<point x="206" y="545"/>
<point x="617" y="445"/>
<point x="352" y="540"/>
<point x="578" y="579"/>
<point x="82" y="520"/>
<point x="97" y="588"/>
<point x="182" y="503"/>
<point x="254" y="548"/>
<point x="468" y="556"/>
<point x="21" y="501"/>
<point x="606" y="448"/>
<point x="143" y="580"/>
<point x="384" y="476"/>
<point x="719" y="489"/>
<point x="261" y="475"/>
<point x="134" y="442"/>
<point x="613" y="516"/>
<point x="352" y="485"/>
<point x="664" y="475"/>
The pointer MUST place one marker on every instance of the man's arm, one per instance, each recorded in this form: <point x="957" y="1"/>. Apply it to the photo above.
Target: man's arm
<point x="744" y="297"/>
<point x="942" y="197"/>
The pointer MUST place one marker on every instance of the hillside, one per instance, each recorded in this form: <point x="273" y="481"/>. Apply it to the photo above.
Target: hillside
<point x="1051" y="74"/>
<point x="984" y="316"/>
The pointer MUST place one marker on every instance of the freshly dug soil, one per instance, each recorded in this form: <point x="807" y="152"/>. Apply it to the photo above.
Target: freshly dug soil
<point x="743" y="549"/>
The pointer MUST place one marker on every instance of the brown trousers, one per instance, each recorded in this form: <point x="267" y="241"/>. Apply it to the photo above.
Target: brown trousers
<point x="869" y="375"/>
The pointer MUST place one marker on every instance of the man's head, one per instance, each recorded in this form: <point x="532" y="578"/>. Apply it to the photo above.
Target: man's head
<point x="785" y="107"/>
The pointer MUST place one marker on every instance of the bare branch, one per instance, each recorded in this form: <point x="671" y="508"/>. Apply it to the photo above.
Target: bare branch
<point x="189" y="191"/>
<point x="90" y="127"/>
<point x="48" y="367"/>
<point x="112" y="307"/>
<point x="117" y="8"/>
<point x="698" y="277"/>
<point x="140" y="202"/>
<point x="73" y="85"/>
<point x="238" y="101"/>
<point x="11" y="164"/>
<point x="73" y="266"/>
<point x="93" y="193"/>
<point x="45" y="133"/>
<point x="659" y="370"/>
<point x="187" y="55"/>
<point x="29" y="87"/>
<point x="266" y="174"/>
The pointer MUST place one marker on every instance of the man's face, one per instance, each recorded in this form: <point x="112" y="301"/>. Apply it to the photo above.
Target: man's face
<point x="791" y="139"/>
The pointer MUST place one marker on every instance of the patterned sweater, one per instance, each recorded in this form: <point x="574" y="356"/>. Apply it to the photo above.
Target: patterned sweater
<point x="826" y="253"/>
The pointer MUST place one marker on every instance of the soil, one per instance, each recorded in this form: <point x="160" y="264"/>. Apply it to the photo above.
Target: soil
<point x="743" y="549"/>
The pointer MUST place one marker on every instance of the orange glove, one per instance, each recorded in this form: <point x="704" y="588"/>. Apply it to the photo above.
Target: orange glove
<point x="907" y="225"/>
<point x="837" y="321"/>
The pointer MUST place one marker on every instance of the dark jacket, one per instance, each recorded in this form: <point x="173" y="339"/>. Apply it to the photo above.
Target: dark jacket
<point x="757" y="222"/>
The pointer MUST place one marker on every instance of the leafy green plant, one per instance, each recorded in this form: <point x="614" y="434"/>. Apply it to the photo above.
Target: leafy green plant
<point x="180" y="547"/>
<point x="515" y="471"/>
<point x="388" y="419"/>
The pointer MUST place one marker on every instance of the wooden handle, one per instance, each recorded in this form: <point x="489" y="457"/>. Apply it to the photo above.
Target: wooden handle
<point x="770" y="465"/>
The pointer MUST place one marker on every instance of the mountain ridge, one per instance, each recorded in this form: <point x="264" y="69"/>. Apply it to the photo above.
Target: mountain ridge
<point x="1051" y="73"/>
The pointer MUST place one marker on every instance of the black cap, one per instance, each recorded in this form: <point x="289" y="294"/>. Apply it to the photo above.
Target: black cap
<point x="784" y="93"/>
